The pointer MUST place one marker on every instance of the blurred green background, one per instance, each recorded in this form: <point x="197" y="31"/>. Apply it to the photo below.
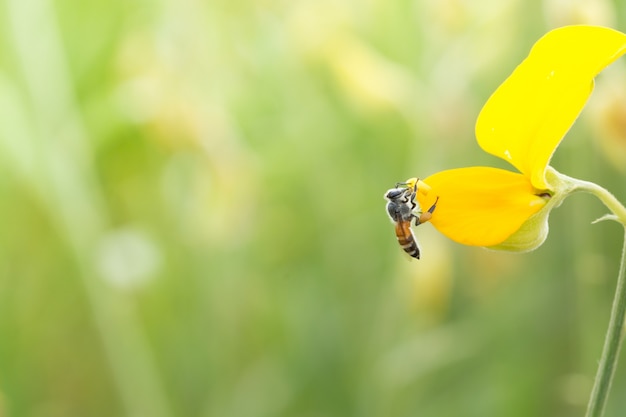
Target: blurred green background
<point x="193" y="223"/>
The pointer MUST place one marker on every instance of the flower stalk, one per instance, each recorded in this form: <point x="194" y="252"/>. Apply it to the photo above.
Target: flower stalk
<point x="614" y="334"/>
<point x="612" y="344"/>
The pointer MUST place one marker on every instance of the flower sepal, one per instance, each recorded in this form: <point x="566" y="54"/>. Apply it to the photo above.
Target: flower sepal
<point x="529" y="236"/>
<point x="534" y="231"/>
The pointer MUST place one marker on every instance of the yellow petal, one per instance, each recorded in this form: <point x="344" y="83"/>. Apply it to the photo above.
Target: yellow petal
<point x="528" y="115"/>
<point x="480" y="206"/>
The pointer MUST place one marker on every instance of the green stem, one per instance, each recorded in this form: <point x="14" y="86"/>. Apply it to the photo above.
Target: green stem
<point x="605" y="196"/>
<point x="612" y="344"/>
<point x="613" y="339"/>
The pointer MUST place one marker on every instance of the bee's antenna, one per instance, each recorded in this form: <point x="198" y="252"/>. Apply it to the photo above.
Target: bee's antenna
<point x="405" y="184"/>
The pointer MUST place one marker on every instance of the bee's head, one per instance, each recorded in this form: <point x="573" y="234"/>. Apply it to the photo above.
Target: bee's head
<point x="395" y="193"/>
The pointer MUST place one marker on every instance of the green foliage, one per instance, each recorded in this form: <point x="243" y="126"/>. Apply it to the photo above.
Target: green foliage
<point x="193" y="223"/>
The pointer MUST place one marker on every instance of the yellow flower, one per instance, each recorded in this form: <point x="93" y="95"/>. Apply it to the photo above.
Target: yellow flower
<point x="523" y="122"/>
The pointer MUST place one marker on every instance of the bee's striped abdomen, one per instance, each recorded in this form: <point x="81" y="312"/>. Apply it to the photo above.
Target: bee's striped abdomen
<point x="406" y="239"/>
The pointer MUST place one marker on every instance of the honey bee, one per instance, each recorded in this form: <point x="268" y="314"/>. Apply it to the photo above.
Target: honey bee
<point x="401" y="208"/>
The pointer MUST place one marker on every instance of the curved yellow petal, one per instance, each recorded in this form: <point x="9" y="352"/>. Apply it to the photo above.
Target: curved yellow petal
<point x="528" y="115"/>
<point x="480" y="206"/>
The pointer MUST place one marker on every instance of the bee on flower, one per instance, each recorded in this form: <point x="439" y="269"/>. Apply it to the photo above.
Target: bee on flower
<point x="523" y="123"/>
<point x="402" y="209"/>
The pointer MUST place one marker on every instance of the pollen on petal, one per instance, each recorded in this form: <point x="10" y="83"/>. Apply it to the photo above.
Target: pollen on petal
<point x="480" y="206"/>
<point x="423" y="187"/>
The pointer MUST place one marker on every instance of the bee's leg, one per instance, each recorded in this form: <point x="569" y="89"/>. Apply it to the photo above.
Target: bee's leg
<point x="434" y="206"/>
<point x="412" y="197"/>
<point x="412" y="202"/>
<point x="409" y="197"/>
<point x="416" y="213"/>
<point x="424" y="217"/>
